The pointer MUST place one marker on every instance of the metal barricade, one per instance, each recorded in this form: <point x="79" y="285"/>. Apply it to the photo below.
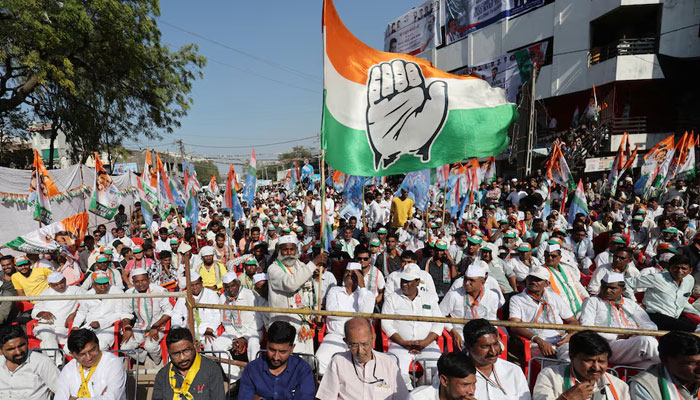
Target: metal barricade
<point x="623" y="371"/>
<point x="129" y="365"/>
<point x="53" y="354"/>
<point x="429" y="365"/>
<point x="542" y="361"/>
<point x="308" y="358"/>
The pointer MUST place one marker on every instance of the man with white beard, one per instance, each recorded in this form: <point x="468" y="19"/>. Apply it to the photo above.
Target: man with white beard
<point x="290" y="286"/>
<point x="206" y="320"/>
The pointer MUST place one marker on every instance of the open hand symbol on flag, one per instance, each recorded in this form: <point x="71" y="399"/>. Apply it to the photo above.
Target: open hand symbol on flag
<point x="404" y="116"/>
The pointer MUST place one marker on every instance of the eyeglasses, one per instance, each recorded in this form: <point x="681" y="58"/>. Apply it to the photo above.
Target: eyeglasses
<point x="363" y="258"/>
<point x="356" y="346"/>
<point x="551" y="255"/>
<point x="619" y="258"/>
<point x="182" y="353"/>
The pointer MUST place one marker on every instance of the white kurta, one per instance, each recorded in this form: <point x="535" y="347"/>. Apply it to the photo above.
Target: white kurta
<point x="106" y="312"/>
<point x="208" y="318"/>
<point x="506" y="382"/>
<point x="53" y="334"/>
<point x="108" y="382"/>
<point x="455" y="305"/>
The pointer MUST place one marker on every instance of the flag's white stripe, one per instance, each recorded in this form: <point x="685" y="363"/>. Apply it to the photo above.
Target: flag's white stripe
<point x="346" y="100"/>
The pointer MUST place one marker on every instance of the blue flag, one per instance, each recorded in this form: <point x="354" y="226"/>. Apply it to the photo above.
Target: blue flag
<point x="352" y="194"/>
<point x="192" y="209"/>
<point x="418" y="185"/>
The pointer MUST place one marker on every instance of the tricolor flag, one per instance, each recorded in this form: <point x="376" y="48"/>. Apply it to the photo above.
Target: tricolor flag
<point x="105" y="194"/>
<point x="250" y="181"/>
<point x="192" y="209"/>
<point x="579" y="205"/>
<point x="487" y="171"/>
<point x="472" y="178"/>
<point x="686" y="164"/>
<point x="339" y="179"/>
<point x="442" y="173"/>
<point x="388" y="113"/>
<point x="49" y="238"/>
<point x="231" y="201"/>
<point x="653" y="161"/>
<point x="165" y="195"/>
<point x="623" y="161"/>
<point x="146" y="197"/>
<point x="558" y="169"/>
<point x="39" y="199"/>
<point x="213" y="187"/>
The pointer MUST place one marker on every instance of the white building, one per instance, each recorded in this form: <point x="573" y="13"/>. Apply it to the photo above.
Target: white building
<point x="641" y="55"/>
<point x="41" y="141"/>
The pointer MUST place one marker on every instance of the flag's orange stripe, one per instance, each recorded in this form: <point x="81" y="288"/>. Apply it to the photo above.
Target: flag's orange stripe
<point x="353" y="59"/>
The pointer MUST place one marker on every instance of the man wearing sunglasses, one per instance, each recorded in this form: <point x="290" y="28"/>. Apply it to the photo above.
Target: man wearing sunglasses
<point x="361" y="373"/>
<point x="188" y="374"/>
<point x="622" y="263"/>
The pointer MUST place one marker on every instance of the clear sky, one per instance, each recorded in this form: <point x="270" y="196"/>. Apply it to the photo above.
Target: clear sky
<point x="263" y="80"/>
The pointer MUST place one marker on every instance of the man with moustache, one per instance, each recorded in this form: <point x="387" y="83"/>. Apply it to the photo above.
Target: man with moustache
<point x="361" y="373"/>
<point x="100" y="315"/>
<point x="188" y="375"/>
<point x="495" y="378"/>
<point x="28" y="376"/>
<point x="291" y="286"/>
<point x="585" y="377"/>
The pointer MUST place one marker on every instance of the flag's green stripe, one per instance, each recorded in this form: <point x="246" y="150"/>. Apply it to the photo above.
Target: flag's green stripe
<point x="581" y="203"/>
<point x="16" y="243"/>
<point x="481" y="132"/>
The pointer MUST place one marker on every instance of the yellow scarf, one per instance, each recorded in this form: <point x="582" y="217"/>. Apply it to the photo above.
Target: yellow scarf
<point x="84" y="391"/>
<point x="184" y="390"/>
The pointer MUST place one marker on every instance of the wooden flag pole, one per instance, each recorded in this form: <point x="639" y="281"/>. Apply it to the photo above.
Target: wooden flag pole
<point x="444" y="206"/>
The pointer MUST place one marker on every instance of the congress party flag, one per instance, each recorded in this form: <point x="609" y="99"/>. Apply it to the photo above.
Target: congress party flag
<point x="352" y="194"/>
<point x="213" y="188"/>
<point x="165" y="195"/>
<point x="149" y="201"/>
<point x="41" y="189"/>
<point x="558" y="169"/>
<point x="487" y="171"/>
<point x="578" y="203"/>
<point x="49" y="238"/>
<point x="192" y="208"/>
<point x="686" y="163"/>
<point x="307" y="170"/>
<point x="250" y="181"/>
<point x="653" y="162"/>
<point x="105" y="194"/>
<point x="149" y="176"/>
<point x="389" y="113"/>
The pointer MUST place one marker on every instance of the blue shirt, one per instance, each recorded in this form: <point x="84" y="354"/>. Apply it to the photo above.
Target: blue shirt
<point x="295" y="382"/>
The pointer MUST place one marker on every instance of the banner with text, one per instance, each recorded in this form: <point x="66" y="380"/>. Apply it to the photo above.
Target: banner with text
<point x="415" y="31"/>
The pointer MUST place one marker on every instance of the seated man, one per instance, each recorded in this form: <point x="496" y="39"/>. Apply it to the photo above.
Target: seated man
<point x="188" y="375"/>
<point x="457" y="380"/>
<point x="55" y="316"/>
<point x="29" y="281"/>
<point x="149" y="318"/>
<point x="470" y="301"/>
<point x="277" y="373"/>
<point x="411" y="338"/>
<point x="611" y="310"/>
<point x="565" y="280"/>
<point x="393" y="281"/>
<point x="623" y="263"/>
<point x="377" y="375"/>
<point x="524" y="262"/>
<point x="103" y="264"/>
<point x="666" y="296"/>
<point x="676" y="376"/>
<point x="352" y="297"/>
<point x="490" y="282"/>
<point x="495" y="378"/>
<point x="23" y="374"/>
<point x="538" y="304"/>
<point x="100" y="315"/>
<point x="585" y="377"/>
<point x="241" y="334"/>
<point x="250" y="268"/>
<point x="206" y="320"/>
<point x="91" y="373"/>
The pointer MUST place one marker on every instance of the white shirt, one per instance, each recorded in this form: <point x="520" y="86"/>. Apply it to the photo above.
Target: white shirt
<point x="34" y="379"/>
<point x="550" y="384"/>
<point x="490" y="284"/>
<point x="108" y="382"/>
<point x="338" y="299"/>
<point x="424" y="304"/>
<point x="209" y="317"/>
<point x="431" y="392"/>
<point x="146" y="311"/>
<point x="60" y="309"/>
<point x="374" y="280"/>
<point x="526" y="309"/>
<point x="327" y="281"/>
<point x="239" y="323"/>
<point x="454" y="304"/>
<point x="507" y="382"/>
<point x="520" y="269"/>
<point x="161" y="245"/>
<point x="631" y="273"/>
<point x="598" y="312"/>
<point x="663" y="296"/>
<point x="104" y="311"/>
<point x="393" y="282"/>
<point x="375" y="215"/>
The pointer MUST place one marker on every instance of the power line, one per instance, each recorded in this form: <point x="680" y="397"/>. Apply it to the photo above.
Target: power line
<point x="253" y="145"/>
<point x="244" y="53"/>
<point x="262" y="76"/>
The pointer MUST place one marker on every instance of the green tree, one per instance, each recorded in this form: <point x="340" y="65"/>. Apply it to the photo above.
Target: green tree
<point x="205" y="169"/>
<point x="95" y="69"/>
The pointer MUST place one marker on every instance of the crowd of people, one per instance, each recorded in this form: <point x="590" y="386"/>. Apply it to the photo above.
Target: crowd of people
<point x="513" y="254"/>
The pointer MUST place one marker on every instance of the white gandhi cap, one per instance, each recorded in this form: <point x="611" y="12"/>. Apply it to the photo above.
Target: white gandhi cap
<point x="55" y="277"/>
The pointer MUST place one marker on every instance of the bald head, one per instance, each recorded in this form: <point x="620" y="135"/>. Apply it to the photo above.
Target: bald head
<point x="359" y="337"/>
